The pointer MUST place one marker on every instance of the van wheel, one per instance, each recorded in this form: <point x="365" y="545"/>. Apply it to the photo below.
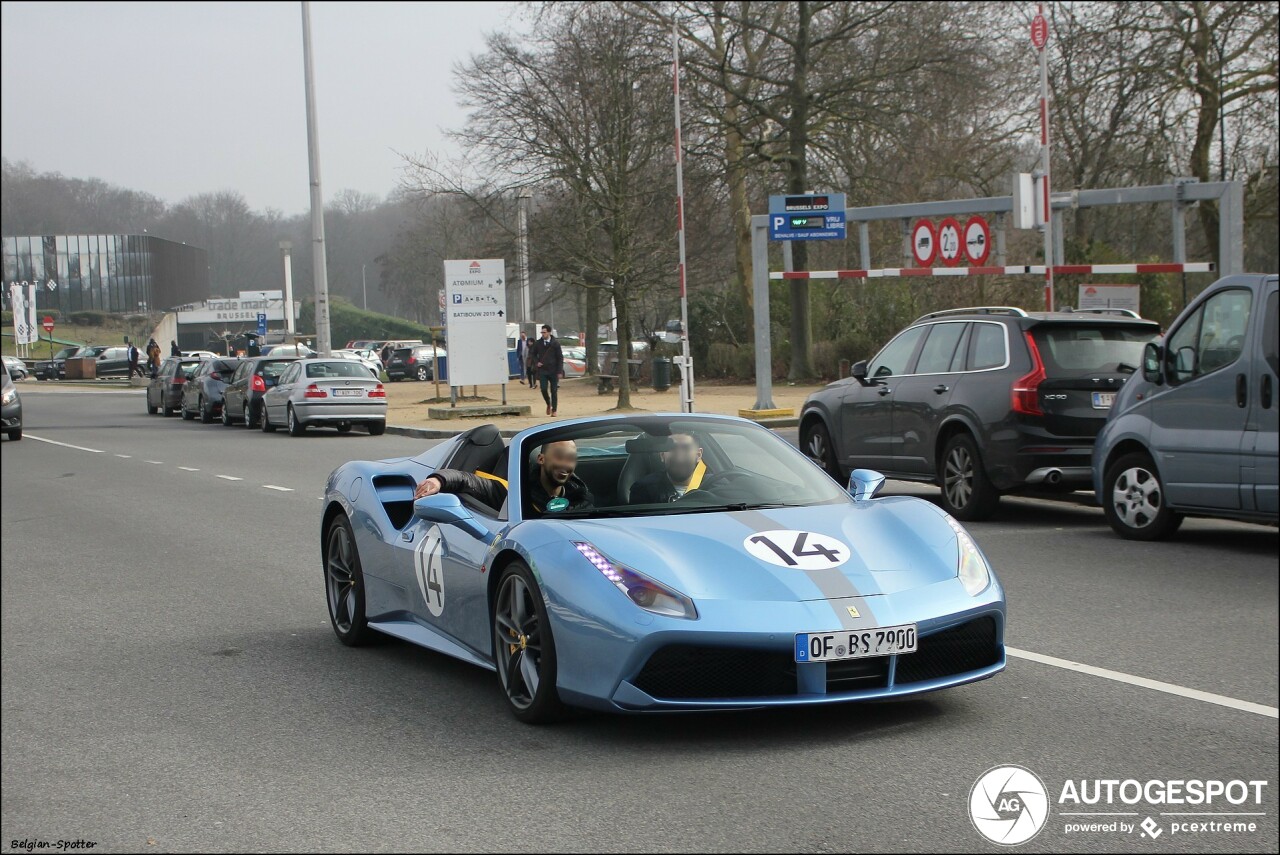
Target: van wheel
<point x="1134" y="501"/>
<point x="967" y="492"/>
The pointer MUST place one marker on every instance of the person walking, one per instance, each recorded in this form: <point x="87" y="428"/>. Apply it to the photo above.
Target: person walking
<point x="153" y="357"/>
<point x="134" y="357"/>
<point x="548" y="361"/>
<point x="522" y="351"/>
<point x="173" y="348"/>
<point x="529" y="371"/>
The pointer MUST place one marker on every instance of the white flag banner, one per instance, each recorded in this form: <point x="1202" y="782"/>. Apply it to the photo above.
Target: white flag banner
<point x="18" y="303"/>
<point x="33" y="324"/>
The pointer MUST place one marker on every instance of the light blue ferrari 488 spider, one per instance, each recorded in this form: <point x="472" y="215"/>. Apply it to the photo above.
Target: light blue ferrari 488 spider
<point x="647" y="562"/>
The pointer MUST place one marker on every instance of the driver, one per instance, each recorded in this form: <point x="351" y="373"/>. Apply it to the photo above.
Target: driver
<point x="555" y="487"/>
<point x="683" y="471"/>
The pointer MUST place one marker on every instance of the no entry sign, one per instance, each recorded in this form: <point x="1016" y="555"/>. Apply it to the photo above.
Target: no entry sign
<point x="924" y="242"/>
<point x="47" y="323"/>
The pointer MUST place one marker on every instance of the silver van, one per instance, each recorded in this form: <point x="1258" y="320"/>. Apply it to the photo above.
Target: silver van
<point x="1195" y="431"/>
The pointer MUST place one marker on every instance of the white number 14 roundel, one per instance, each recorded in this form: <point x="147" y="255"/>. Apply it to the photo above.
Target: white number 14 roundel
<point x="798" y="550"/>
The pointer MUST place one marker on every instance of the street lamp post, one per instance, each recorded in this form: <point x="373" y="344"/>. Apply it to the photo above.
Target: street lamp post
<point x="286" y="249"/>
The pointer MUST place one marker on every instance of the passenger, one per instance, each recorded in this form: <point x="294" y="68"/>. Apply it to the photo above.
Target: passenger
<point x="554" y="488"/>
<point x="684" y="471"/>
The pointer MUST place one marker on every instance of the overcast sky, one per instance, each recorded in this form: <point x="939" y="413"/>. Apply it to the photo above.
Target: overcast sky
<point x="182" y="98"/>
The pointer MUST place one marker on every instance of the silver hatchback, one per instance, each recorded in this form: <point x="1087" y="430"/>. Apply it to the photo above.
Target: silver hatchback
<point x="330" y="392"/>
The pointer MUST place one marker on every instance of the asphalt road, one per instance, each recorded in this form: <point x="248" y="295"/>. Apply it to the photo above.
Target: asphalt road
<point x="170" y="682"/>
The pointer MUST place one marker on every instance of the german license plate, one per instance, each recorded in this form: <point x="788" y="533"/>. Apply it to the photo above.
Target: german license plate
<point x="348" y="393"/>
<point x="855" y="643"/>
<point x="1103" y="400"/>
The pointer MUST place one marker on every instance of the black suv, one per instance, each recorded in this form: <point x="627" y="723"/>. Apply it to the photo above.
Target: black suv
<point x="980" y="401"/>
<point x="416" y="362"/>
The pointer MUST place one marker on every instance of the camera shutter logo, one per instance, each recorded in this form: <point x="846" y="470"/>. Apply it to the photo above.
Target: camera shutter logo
<point x="1009" y="805"/>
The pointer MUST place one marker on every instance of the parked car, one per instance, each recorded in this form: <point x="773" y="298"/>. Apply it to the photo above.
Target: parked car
<point x="416" y="362"/>
<point x="980" y="401"/>
<point x="164" y="391"/>
<point x="50" y="369"/>
<point x="10" y="408"/>
<point x="325" y="392"/>
<point x="300" y="351"/>
<point x="397" y="344"/>
<point x="368" y="358"/>
<point x="1195" y="432"/>
<point x="202" y="394"/>
<point x="204" y="354"/>
<point x="16" y="368"/>
<point x="363" y="344"/>
<point x="113" y="362"/>
<point x="242" y="397"/>
<point x="575" y="362"/>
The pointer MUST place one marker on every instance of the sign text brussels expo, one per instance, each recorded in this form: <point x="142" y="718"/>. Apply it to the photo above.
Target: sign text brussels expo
<point x="475" y="309"/>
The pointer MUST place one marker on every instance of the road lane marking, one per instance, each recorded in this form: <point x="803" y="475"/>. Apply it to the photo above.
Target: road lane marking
<point x="65" y="444"/>
<point x="156" y="462"/>
<point x="230" y="478"/>
<point x="1157" y="685"/>
<point x="188" y="469"/>
<point x="281" y="489"/>
<point x="125" y="456"/>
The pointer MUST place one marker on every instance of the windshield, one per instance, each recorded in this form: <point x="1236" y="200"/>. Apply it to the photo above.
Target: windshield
<point x="670" y="465"/>
<point x="1076" y="349"/>
<point x="343" y="368"/>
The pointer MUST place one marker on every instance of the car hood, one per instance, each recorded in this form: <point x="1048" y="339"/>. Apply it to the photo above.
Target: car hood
<point x="890" y="545"/>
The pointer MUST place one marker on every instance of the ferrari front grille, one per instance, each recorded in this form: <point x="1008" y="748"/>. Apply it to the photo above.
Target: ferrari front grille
<point x="957" y="650"/>
<point x="688" y="671"/>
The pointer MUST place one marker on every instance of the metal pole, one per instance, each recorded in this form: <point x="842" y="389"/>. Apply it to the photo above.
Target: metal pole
<point x="286" y="247"/>
<point x="364" y="287"/>
<point x="1044" y="157"/>
<point x="522" y="226"/>
<point x="686" y="364"/>
<point x="323" y="344"/>
<point x="760" y="308"/>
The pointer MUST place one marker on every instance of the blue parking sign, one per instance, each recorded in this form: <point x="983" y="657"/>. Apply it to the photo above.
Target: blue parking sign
<point x="262" y="323"/>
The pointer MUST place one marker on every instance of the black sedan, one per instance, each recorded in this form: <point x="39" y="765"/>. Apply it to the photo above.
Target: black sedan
<point x="242" y="398"/>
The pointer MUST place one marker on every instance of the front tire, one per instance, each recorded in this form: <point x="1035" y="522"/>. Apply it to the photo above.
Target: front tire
<point x="249" y="421"/>
<point x="816" y="444"/>
<point x="967" y="492"/>
<point x="296" y="427"/>
<point x="344" y="585"/>
<point x="206" y="413"/>
<point x="187" y="415"/>
<point x="226" y="415"/>
<point x="267" y="426"/>
<point x="524" y="650"/>
<point x="15" y="434"/>
<point x="1133" y="498"/>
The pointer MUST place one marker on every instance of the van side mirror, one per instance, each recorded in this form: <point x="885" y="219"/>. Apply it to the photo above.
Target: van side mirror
<point x="1185" y="362"/>
<point x="859" y="371"/>
<point x="1152" y="357"/>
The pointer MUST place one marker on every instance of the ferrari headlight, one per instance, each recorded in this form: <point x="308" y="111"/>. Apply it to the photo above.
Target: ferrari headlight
<point x="9" y="396"/>
<point x="640" y="589"/>
<point x="970" y="565"/>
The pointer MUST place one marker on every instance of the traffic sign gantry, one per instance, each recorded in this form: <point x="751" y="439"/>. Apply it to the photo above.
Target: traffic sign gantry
<point x="924" y="242"/>
<point x="47" y="323"/>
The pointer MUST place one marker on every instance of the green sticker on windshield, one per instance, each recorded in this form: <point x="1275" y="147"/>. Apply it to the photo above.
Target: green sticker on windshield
<point x="558" y="504"/>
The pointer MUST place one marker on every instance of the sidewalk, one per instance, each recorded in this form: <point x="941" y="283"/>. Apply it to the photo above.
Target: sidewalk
<point x="407" y="404"/>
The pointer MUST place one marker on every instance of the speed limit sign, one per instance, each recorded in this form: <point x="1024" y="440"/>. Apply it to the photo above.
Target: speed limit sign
<point x="949" y="241"/>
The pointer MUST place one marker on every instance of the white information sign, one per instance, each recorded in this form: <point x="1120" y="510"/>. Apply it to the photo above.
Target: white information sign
<point x="1109" y="297"/>
<point x="475" y="320"/>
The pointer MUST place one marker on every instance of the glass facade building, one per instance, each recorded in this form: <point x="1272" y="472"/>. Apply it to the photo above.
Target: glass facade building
<point x="108" y="273"/>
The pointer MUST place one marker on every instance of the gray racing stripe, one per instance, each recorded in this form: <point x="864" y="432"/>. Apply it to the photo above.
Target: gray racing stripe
<point x="837" y="588"/>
